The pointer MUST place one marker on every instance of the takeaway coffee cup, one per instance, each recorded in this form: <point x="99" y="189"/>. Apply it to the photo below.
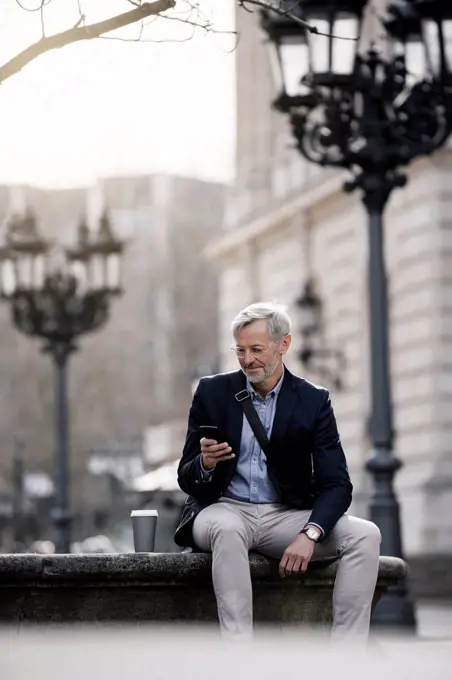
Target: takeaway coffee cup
<point x="144" y="524"/>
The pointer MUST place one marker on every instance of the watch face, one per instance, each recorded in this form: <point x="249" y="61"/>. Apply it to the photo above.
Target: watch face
<point x="313" y="534"/>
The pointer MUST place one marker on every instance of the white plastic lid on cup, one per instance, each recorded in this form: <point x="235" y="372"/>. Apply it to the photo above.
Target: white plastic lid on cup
<point x="144" y="513"/>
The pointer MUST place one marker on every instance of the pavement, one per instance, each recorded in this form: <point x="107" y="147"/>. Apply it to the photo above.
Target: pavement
<point x="172" y="652"/>
<point x="434" y="621"/>
<point x="198" y="654"/>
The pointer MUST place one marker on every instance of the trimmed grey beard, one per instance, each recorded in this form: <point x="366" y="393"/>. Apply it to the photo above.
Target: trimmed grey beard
<point x="268" y="372"/>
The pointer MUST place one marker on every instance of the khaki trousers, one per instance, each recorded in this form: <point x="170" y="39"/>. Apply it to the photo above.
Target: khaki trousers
<point x="229" y="529"/>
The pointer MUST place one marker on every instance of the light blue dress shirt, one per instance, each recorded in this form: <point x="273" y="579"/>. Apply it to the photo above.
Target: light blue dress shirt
<point x="251" y="482"/>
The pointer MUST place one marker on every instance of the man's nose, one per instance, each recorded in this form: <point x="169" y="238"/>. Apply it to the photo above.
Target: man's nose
<point x="248" y="356"/>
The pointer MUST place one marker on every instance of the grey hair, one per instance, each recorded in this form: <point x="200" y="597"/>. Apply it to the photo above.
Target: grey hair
<point x="275" y="314"/>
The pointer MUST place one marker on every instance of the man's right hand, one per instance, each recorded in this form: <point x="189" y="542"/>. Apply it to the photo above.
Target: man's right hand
<point x="212" y="452"/>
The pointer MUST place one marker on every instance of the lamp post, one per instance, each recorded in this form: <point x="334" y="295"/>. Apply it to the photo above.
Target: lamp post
<point x="57" y="307"/>
<point x="371" y="116"/>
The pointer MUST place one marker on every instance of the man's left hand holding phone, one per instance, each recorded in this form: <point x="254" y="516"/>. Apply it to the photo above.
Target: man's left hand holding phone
<point x="212" y="449"/>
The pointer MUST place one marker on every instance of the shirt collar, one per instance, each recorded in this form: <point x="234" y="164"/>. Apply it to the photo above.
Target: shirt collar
<point x="275" y="391"/>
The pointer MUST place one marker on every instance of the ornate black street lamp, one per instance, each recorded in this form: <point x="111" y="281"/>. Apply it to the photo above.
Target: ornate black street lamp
<point x="372" y="116"/>
<point x="58" y="306"/>
<point x="312" y="356"/>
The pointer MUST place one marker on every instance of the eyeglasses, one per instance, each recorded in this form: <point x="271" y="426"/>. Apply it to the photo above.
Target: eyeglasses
<point x="256" y="352"/>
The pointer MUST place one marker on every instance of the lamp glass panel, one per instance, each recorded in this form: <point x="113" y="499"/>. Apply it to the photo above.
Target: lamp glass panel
<point x="113" y="273"/>
<point x="97" y="272"/>
<point x="433" y="32"/>
<point x="294" y="64"/>
<point x="431" y="38"/>
<point x="8" y="277"/>
<point x="319" y="46"/>
<point x="24" y="271"/>
<point x="79" y="271"/>
<point x="447" y="33"/>
<point x="309" y="319"/>
<point x="344" y="51"/>
<point x="415" y="61"/>
<point x="273" y="54"/>
<point x="39" y="271"/>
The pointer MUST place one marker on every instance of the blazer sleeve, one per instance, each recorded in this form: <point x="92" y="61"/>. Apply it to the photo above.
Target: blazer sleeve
<point x="191" y="477"/>
<point x="332" y="479"/>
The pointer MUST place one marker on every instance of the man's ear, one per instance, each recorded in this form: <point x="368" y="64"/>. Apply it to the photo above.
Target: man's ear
<point x="285" y="344"/>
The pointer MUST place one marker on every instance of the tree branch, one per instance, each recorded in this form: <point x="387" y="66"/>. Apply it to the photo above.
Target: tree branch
<point x="77" y="33"/>
<point x="269" y="5"/>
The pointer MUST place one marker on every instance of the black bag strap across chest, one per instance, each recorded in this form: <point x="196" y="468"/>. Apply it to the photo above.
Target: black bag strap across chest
<point x="243" y="396"/>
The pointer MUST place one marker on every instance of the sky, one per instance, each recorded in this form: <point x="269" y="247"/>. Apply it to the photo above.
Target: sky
<point x="108" y="107"/>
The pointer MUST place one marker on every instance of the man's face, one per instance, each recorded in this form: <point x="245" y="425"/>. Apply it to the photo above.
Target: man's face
<point x="258" y="355"/>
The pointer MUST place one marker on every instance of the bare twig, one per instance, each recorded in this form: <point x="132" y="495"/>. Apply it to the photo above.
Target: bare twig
<point x="268" y="5"/>
<point x="33" y="9"/>
<point x="193" y="16"/>
<point x="82" y="17"/>
<point x="82" y="32"/>
<point x="149" y="40"/>
<point x="207" y="26"/>
<point x="79" y="21"/>
<point x="271" y="6"/>
<point x="43" y="28"/>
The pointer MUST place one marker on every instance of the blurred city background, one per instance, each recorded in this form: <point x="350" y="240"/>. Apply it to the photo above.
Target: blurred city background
<point x="175" y="140"/>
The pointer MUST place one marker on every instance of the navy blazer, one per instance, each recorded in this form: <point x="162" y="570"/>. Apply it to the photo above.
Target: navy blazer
<point x="306" y="462"/>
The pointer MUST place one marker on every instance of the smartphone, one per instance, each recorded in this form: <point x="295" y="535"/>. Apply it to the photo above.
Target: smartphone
<point x="210" y="432"/>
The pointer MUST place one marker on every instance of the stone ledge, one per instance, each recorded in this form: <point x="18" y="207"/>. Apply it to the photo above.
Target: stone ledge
<point x="160" y="568"/>
<point x="159" y="587"/>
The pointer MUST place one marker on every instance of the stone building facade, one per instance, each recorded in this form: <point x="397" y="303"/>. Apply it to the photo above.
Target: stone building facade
<point x="137" y="371"/>
<point x="288" y="220"/>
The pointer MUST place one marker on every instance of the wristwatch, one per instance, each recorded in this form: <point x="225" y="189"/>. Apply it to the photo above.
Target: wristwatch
<point x="312" y="532"/>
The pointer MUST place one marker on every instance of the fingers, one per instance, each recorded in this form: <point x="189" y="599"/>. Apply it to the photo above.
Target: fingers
<point x="292" y="564"/>
<point x="298" y="565"/>
<point x="230" y="456"/>
<point x="304" y="565"/>
<point x="210" y="462"/>
<point x="213" y="449"/>
<point x="216" y="457"/>
<point x="282" y="565"/>
<point x="286" y="565"/>
<point x="288" y="569"/>
<point x="213" y="453"/>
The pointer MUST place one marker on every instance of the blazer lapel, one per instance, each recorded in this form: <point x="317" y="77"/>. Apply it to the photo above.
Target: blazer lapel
<point x="286" y="402"/>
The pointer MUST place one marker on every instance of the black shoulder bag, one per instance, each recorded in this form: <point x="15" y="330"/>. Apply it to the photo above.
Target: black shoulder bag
<point x="244" y="399"/>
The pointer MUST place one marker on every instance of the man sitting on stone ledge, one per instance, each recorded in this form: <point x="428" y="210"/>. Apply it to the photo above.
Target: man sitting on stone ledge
<point x="288" y="503"/>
